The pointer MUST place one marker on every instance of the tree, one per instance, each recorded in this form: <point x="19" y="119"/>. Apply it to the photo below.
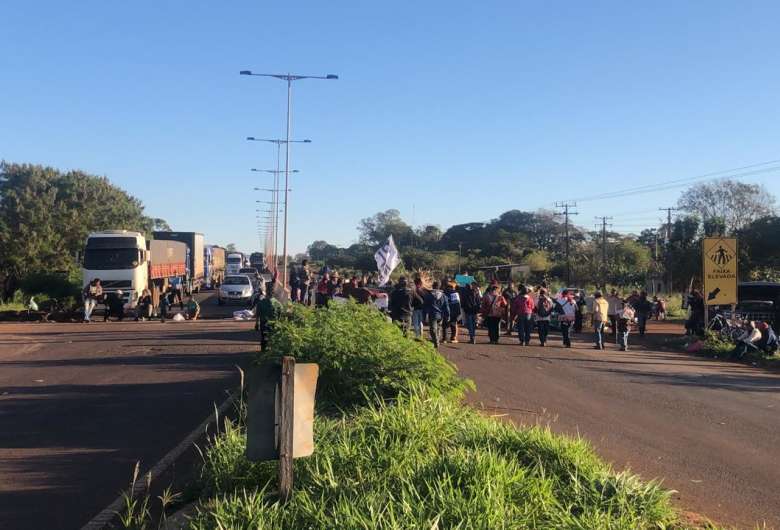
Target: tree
<point x="759" y="254"/>
<point x="231" y="247"/>
<point x="46" y="215"/>
<point x="736" y="203"/>
<point x="376" y="229"/>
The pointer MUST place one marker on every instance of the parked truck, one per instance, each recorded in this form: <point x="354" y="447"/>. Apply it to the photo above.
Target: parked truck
<point x="257" y="260"/>
<point x="195" y="271"/>
<point x="214" y="265"/>
<point x="235" y="261"/>
<point x="125" y="261"/>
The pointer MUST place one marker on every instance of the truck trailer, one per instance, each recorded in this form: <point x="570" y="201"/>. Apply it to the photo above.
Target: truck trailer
<point x="125" y="261"/>
<point x="214" y="265"/>
<point x="195" y="271"/>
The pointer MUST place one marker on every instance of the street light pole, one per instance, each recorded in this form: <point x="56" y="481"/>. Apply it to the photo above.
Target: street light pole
<point x="289" y="78"/>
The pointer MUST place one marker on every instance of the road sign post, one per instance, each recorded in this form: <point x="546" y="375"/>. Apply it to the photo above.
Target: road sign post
<point x="280" y="415"/>
<point x="719" y="270"/>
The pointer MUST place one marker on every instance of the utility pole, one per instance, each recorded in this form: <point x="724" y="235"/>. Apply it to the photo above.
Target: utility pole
<point x="668" y="260"/>
<point x="564" y="206"/>
<point x="603" y="227"/>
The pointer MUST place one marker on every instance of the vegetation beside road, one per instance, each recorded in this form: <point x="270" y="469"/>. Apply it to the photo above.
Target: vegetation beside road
<point x="402" y="452"/>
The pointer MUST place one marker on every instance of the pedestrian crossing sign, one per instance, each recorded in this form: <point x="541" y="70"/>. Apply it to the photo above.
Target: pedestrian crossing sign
<point x="719" y="256"/>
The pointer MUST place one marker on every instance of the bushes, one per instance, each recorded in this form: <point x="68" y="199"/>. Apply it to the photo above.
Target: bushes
<point x="361" y="354"/>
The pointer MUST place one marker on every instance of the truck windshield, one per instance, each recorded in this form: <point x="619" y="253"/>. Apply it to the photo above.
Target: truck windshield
<point x="111" y="258"/>
<point x="234" y="260"/>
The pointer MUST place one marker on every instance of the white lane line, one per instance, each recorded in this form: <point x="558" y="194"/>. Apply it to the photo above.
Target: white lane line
<point x="109" y="512"/>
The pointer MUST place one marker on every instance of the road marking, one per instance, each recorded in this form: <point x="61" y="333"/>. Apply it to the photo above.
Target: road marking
<point x="110" y="512"/>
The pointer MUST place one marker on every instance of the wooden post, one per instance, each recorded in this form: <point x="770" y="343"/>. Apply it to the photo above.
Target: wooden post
<point x="287" y="406"/>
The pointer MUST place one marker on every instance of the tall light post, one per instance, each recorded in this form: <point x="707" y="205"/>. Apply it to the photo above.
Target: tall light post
<point x="275" y="173"/>
<point x="278" y="142"/>
<point x="289" y="78"/>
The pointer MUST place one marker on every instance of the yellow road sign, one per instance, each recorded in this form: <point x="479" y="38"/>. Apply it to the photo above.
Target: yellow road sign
<point x="719" y="256"/>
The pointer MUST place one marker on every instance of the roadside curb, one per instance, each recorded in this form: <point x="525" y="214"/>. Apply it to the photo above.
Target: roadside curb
<point x="102" y="519"/>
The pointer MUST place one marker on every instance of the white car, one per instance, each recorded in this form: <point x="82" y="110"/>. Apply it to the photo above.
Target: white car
<point x="236" y="288"/>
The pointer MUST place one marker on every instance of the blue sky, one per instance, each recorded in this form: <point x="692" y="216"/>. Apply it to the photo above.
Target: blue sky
<point x="448" y="111"/>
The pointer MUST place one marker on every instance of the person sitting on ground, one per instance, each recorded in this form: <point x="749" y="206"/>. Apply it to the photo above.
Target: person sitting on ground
<point x="768" y="343"/>
<point x="144" y="308"/>
<point x="115" y="306"/>
<point x="747" y="341"/>
<point x="193" y="309"/>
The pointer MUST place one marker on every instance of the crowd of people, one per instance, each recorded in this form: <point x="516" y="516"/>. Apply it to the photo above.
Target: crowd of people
<point x="143" y="308"/>
<point x="521" y="310"/>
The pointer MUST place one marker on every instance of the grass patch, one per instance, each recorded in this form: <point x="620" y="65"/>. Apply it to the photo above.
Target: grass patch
<point x="427" y="462"/>
<point x="12" y="306"/>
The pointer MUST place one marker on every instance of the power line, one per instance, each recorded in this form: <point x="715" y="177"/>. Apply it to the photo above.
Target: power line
<point x="676" y="183"/>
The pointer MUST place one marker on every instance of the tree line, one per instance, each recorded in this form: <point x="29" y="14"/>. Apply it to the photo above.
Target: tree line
<point x="45" y="217"/>
<point x="537" y="239"/>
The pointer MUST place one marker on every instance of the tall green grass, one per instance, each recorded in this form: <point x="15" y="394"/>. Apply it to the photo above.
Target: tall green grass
<point x="427" y="462"/>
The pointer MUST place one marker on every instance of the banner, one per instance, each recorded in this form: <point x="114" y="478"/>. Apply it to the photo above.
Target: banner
<point x="719" y="256"/>
<point x="387" y="259"/>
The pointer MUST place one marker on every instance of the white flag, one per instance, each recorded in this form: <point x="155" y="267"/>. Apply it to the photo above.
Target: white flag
<point x="387" y="259"/>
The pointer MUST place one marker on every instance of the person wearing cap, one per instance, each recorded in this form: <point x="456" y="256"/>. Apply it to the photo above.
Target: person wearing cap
<point x="567" y="310"/>
<point x="600" y="318"/>
<point x="523" y="312"/>
<point x="624" y="318"/>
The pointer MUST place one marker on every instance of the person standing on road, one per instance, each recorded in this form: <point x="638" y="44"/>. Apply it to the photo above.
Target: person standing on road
<point x="453" y="300"/>
<point x="266" y="310"/>
<point x="510" y="294"/>
<point x="92" y="293"/>
<point x="644" y="309"/>
<point x="523" y="313"/>
<point x="165" y="304"/>
<point x="493" y="309"/>
<point x="543" y="310"/>
<point x="437" y="309"/>
<point x="400" y="305"/>
<point x="600" y="318"/>
<point x="615" y="303"/>
<point x="625" y="317"/>
<point x="582" y="308"/>
<point x="417" y="307"/>
<point x="304" y="280"/>
<point x="470" y="302"/>
<point x="568" y="311"/>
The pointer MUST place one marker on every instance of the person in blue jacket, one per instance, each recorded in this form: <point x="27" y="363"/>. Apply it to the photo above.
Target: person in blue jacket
<point x="437" y="308"/>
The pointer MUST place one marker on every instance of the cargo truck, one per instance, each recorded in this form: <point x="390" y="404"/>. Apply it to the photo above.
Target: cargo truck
<point x="125" y="261"/>
<point x="257" y="260"/>
<point x="214" y="265"/>
<point x="234" y="260"/>
<point x="195" y="271"/>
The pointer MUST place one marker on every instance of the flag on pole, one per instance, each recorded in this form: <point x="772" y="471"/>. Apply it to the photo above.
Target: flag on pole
<point x="387" y="259"/>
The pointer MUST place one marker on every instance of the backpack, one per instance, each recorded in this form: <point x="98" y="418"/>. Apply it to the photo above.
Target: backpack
<point x="544" y="308"/>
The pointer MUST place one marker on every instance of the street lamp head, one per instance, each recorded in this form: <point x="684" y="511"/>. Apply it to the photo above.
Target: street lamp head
<point x="245" y="72"/>
<point x="250" y="138"/>
<point x="307" y="141"/>
<point x="331" y="76"/>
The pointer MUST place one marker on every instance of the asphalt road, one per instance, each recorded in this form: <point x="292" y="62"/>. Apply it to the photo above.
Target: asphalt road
<point x="80" y="404"/>
<point x="709" y="429"/>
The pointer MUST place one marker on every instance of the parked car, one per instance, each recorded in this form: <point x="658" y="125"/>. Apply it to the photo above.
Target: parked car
<point x="237" y="288"/>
